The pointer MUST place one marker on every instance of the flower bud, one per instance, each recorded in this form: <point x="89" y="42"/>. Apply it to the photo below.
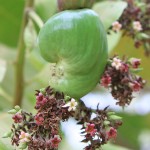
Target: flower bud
<point x="17" y="108"/>
<point x="115" y="117"/>
<point x="106" y="123"/>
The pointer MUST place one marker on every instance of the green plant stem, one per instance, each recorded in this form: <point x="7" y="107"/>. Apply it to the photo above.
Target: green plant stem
<point x="36" y="18"/>
<point x="19" y="73"/>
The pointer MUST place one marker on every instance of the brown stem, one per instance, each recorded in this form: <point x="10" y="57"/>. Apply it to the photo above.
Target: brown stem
<point x="19" y="72"/>
<point x="74" y="4"/>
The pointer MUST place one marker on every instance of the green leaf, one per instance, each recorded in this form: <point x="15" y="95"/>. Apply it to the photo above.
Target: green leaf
<point x="109" y="11"/>
<point x="10" y="14"/>
<point x="113" y="39"/>
<point x="136" y="70"/>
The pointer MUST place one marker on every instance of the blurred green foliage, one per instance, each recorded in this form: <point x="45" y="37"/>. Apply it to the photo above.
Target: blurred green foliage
<point x="10" y="21"/>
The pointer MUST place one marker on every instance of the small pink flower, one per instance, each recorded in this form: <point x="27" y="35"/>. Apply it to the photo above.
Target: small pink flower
<point x="106" y="81"/>
<point x="135" y="86"/>
<point x="17" y="118"/>
<point x="116" y="26"/>
<point x="137" y="26"/>
<point x="24" y="137"/>
<point x="41" y="100"/>
<point x="55" y="141"/>
<point x="135" y="62"/>
<point x="39" y="119"/>
<point x="90" y="129"/>
<point x="124" y="68"/>
<point x="71" y="105"/>
<point x="116" y="63"/>
<point x="112" y="133"/>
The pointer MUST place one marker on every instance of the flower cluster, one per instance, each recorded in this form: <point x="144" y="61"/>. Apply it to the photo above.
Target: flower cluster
<point x="99" y="130"/>
<point x="41" y="131"/>
<point x="121" y="80"/>
<point x="134" y="22"/>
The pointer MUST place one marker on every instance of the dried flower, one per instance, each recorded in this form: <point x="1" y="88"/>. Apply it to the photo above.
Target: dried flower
<point x="39" y="119"/>
<point x="95" y="130"/>
<point x="17" y="118"/>
<point x="24" y="137"/>
<point x="90" y="129"/>
<point x="116" y="63"/>
<point x="106" y="81"/>
<point x="72" y="105"/>
<point x="137" y="26"/>
<point x="112" y="133"/>
<point x="116" y="26"/>
<point x="55" y="141"/>
<point x="41" y="100"/>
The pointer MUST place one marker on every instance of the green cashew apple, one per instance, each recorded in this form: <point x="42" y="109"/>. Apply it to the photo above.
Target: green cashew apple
<point x="74" y="42"/>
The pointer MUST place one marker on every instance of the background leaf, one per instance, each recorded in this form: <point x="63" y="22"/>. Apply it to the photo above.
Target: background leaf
<point x="109" y="11"/>
<point x="10" y="14"/>
<point x="113" y="39"/>
<point x="6" y="121"/>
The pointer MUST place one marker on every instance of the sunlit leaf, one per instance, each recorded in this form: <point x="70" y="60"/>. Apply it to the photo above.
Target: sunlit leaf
<point x="109" y="11"/>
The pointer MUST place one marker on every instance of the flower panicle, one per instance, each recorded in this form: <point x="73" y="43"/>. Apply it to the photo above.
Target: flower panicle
<point x="120" y="78"/>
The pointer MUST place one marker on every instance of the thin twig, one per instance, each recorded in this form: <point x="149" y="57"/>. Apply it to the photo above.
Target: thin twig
<point x="36" y="18"/>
